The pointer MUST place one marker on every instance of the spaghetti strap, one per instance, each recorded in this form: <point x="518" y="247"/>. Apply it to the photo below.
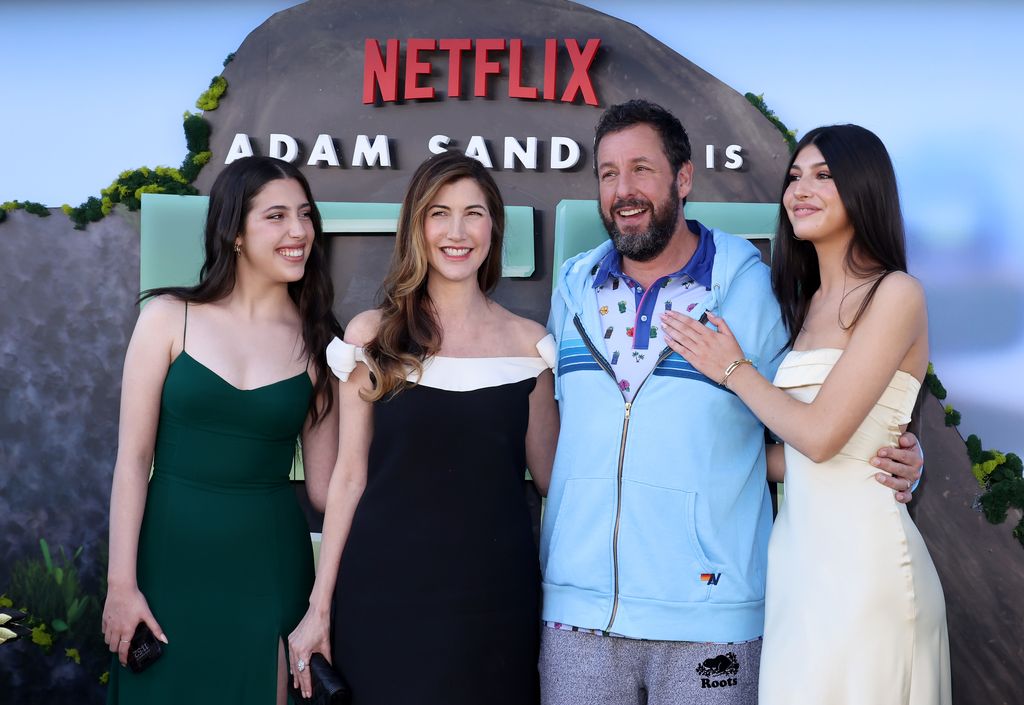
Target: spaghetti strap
<point x="184" y="330"/>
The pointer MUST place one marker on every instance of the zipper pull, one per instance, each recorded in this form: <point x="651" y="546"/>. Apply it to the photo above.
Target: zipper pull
<point x="629" y="404"/>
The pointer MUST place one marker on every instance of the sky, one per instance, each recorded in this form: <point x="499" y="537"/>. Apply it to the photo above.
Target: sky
<point x="93" y="88"/>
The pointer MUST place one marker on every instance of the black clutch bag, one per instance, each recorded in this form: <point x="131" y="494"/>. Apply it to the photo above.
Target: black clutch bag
<point x="329" y="688"/>
<point x="144" y="649"/>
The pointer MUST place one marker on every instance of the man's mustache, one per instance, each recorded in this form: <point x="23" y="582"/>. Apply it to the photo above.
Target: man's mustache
<point x="632" y="203"/>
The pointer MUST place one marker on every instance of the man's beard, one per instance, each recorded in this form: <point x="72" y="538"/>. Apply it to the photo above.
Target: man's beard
<point x="645" y="245"/>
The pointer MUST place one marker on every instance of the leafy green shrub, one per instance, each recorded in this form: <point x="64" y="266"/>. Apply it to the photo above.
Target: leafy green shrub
<point x="88" y="212"/>
<point x="229" y="58"/>
<point x="197" y="133"/>
<point x="787" y="134"/>
<point x="52" y="593"/>
<point x="27" y="206"/>
<point x="210" y="98"/>
<point x="37" y="209"/>
<point x="64" y="652"/>
<point x="931" y="380"/>
<point x="130" y="185"/>
<point x="1004" y="489"/>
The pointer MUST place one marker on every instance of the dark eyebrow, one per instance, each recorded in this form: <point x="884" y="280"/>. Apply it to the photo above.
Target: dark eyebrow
<point x="812" y="166"/>
<point x="634" y="160"/>
<point x="283" y="207"/>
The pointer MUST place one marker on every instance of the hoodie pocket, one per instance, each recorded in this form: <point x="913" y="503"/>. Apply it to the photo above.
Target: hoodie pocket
<point x="579" y="553"/>
<point x="660" y="556"/>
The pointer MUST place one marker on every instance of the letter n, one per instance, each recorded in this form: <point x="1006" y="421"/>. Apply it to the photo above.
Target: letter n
<point x="380" y="73"/>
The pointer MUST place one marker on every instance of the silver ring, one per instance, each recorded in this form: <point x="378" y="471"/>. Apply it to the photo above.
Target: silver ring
<point x="126" y="640"/>
<point x="301" y="665"/>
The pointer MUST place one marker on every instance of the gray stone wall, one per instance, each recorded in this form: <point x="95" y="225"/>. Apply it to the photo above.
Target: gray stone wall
<point x="69" y="308"/>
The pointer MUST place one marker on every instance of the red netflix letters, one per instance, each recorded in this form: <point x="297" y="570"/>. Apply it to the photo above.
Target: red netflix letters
<point x="490" y="57"/>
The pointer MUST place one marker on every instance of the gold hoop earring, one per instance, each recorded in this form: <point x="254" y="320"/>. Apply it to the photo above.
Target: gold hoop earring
<point x="238" y="248"/>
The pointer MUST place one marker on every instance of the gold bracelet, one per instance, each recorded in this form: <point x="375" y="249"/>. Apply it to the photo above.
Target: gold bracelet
<point x="732" y="368"/>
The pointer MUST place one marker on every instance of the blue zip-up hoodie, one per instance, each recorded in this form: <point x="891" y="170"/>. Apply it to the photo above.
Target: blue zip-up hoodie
<point x="657" y="519"/>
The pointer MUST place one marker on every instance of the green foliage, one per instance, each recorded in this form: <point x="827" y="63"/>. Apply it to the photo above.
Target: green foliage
<point x="27" y="206"/>
<point x="37" y="209"/>
<point x="1000" y="476"/>
<point x="88" y="212"/>
<point x="63" y="616"/>
<point x="974" y="451"/>
<point x="40" y="637"/>
<point x="210" y="98"/>
<point x="129" y="186"/>
<point x="933" y="383"/>
<point x="758" y="102"/>
<point x="1005" y="489"/>
<point x="229" y="58"/>
<point x="197" y="138"/>
<point x="197" y="133"/>
<point x="52" y="594"/>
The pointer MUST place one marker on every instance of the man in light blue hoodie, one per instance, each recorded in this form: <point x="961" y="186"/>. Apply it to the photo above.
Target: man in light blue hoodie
<point x="655" y="532"/>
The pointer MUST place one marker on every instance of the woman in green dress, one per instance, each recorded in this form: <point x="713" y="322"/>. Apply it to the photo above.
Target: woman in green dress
<point x="213" y="552"/>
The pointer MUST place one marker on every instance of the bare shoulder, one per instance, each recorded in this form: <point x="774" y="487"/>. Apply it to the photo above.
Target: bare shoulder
<point x="902" y="290"/>
<point x="363" y="327"/>
<point x="162" y="314"/>
<point x="523" y="334"/>
<point x="897" y="309"/>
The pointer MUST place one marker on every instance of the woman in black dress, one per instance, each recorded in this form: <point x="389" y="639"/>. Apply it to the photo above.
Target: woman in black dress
<point x="446" y="397"/>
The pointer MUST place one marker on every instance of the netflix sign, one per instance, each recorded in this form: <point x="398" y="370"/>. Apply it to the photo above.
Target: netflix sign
<point x="440" y="69"/>
<point x="382" y="75"/>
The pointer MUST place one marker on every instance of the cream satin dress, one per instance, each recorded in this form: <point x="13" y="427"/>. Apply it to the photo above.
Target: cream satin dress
<point x="854" y="612"/>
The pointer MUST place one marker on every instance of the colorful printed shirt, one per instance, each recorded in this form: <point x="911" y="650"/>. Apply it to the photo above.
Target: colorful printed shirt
<point x="630" y="315"/>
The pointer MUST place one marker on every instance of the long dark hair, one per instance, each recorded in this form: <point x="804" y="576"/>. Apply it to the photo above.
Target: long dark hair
<point x="862" y="171"/>
<point x="231" y="199"/>
<point x="409" y="331"/>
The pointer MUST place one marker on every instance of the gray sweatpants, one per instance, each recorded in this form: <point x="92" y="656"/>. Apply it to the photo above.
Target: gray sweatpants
<point x="579" y="668"/>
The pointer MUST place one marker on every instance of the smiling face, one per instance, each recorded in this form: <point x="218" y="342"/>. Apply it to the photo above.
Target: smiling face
<point x="639" y="191"/>
<point x="278" y="233"/>
<point x="812" y="201"/>
<point x="457" y="230"/>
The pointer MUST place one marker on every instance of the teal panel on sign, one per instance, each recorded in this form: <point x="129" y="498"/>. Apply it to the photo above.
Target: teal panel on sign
<point x="171" y="250"/>
<point x="171" y="247"/>
<point x="578" y="226"/>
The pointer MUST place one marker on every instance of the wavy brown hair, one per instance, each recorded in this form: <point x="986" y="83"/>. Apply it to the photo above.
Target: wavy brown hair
<point x="409" y="331"/>
<point x="231" y="199"/>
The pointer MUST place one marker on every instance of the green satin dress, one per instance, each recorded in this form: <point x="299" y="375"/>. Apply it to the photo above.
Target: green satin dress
<point x="224" y="558"/>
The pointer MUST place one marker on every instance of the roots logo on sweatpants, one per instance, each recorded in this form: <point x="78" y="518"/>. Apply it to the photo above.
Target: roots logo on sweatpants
<point x="721" y="665"/>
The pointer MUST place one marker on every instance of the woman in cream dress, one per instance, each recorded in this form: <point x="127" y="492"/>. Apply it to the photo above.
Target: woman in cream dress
<point x="854" y="609"/>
